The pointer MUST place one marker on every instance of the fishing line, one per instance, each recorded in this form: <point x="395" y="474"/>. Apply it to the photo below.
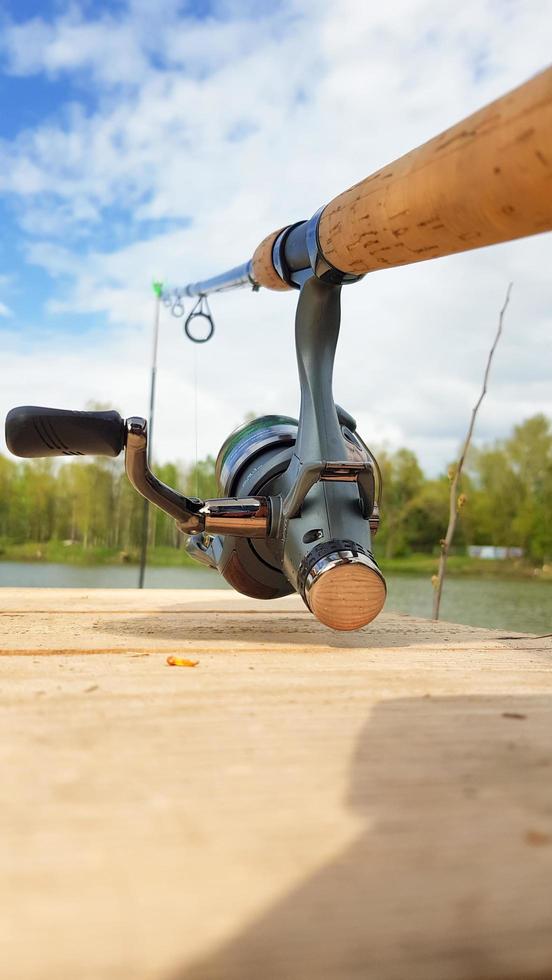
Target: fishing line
<point x="196" y="422"/>
<point x="200" y="311"/>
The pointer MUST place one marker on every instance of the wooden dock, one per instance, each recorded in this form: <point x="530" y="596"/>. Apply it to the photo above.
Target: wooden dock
<point x="302" y="804"/>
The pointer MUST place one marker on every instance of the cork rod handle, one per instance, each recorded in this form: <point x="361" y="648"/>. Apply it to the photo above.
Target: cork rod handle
<point x="486" y="180"/>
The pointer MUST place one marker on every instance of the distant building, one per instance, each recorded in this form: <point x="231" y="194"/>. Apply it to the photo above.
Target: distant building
<point x="492" y="551"/>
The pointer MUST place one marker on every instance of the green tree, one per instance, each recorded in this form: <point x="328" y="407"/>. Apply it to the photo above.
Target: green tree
<point x="495" y="497"/>
<point x="513" y="490"/>
<point x="201" y="480"/>
<point x="529" y="450"/>
<point x="508" y="487"/>
<point x="402" y="480"/>
<point x="425" y="515"/>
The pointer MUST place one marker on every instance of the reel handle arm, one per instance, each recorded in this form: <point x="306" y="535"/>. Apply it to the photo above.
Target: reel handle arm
<point x="35" y="432"/>
<point x="244" y="516"/>
<point x="248" y="517"/>
<point x="185" y="510"/>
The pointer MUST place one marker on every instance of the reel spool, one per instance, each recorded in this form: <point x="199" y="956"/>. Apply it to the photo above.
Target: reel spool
<point x="253" y="456"/>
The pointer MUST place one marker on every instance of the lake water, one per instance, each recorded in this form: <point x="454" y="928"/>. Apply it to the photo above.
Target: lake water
<point x="522" y="605"/>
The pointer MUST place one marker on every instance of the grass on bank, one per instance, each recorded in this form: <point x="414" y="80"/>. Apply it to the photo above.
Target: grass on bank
<point x="73" y="553"/>
<point x="460" y="566"/>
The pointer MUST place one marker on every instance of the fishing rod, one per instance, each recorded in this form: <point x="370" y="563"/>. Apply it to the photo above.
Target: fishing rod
<point x="485" y="180"/>
<point x="300" y="498"/>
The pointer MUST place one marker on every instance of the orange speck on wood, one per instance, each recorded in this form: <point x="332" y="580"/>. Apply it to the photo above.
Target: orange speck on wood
<point x="181" y="662"/>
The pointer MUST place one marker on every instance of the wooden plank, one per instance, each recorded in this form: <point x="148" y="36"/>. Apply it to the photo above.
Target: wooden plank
<point x="13" y="600"/>
<point x="301" y="804"/>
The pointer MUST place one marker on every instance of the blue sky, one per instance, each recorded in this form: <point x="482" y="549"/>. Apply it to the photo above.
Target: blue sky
<point x="141" y="141"/>
<point x="29" y="99"/>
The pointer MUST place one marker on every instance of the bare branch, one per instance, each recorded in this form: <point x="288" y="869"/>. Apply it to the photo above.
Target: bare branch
<point x="454" y="501"/>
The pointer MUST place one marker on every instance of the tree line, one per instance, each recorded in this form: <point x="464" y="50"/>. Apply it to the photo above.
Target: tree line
<point x="505" y="500"/>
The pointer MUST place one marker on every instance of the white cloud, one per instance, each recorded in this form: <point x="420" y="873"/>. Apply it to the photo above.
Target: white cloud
<point x="5" y="310"/>
<point x="321" y="94"/>
<point x="106" y="47"/>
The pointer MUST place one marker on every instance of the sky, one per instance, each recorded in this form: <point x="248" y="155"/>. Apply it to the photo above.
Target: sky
<point x="142" y="141"/>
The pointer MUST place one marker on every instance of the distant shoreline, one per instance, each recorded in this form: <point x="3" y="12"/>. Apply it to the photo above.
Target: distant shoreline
<point x="59" y="552"/>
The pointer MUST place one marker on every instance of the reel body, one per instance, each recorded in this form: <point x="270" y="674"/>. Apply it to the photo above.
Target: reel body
<point x="326" y="480"/>
<point x="299" y="498"/>
<point x="253" y="461"/>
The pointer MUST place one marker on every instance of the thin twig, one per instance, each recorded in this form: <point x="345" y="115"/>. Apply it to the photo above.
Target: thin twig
<point x="454" y="504"/>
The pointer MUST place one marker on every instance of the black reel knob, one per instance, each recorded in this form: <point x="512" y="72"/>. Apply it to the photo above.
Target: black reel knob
<point x="32" y="431"/>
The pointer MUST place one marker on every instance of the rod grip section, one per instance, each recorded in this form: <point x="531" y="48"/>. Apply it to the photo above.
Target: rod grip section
<point x="486" y="180"/>
<point x="32" y="431"/>
<point x="262" y="266"/>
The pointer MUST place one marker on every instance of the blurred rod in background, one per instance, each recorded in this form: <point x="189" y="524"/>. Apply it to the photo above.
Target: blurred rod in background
<point x="158" y="290"/>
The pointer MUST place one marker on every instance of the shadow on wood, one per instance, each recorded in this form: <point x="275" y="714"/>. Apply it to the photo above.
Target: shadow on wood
<point x="450" y="878"/>
<point x="267" y="630"/>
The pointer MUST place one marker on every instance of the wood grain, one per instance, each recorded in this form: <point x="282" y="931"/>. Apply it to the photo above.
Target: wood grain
<point x="302" y="804"/>
<point x="486" y="180"/>
<point x="347" y="597"/>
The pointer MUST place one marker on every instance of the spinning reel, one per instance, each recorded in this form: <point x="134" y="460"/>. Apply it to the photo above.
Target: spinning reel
<point x="299" y="500"/>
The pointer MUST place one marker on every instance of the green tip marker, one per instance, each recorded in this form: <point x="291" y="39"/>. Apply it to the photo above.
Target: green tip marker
<point x="157" y="288"/>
